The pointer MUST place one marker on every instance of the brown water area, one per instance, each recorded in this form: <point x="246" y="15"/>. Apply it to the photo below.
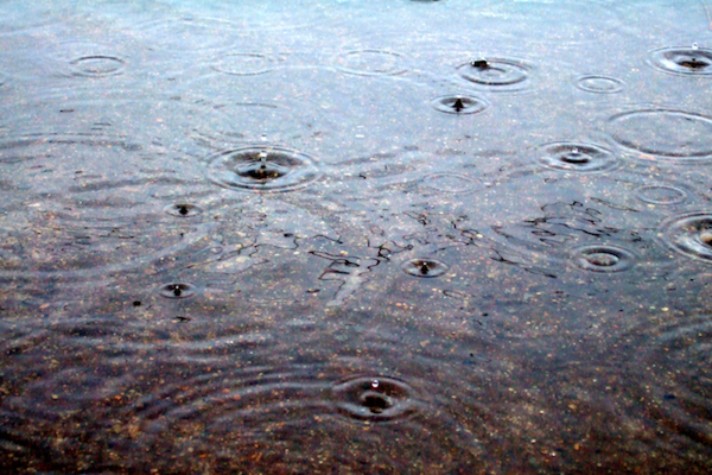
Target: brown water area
<point x="438" y="237"/>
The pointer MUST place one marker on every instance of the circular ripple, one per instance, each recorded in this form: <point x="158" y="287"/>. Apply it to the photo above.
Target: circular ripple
<point x="599" y="258"/>
<point x="688" y="61"/>
<point x="97" y="66"/>
<point x="661" y="194"/>
<point x="372" y="62"/>
<point x="460" y="104"/>
<point x="374" y="398"/>
<point x="448" y="183"/>
<point x="243" y="64"/>
<point x="576" y="157"/>
<point x="497" y="74"/>
<point x="425" y="268"/>
<point x="664" y="134"/>
<point x="184" y="210"/>
<point x="263" y="168"/>
<point x="690" y="235"/>
<point x="177" y="291"/>
<point x="599" y="84"/>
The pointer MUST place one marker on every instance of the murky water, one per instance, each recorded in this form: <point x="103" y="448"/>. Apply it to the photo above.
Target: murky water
<point x="356" y="237"/>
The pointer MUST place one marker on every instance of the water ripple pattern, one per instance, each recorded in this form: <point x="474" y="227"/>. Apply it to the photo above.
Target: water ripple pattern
<point x="576" y="156"/>
<point x="263" y="168"/>
<point x="664" y="134"/>
<point x="685" y="61"/>
<point x="690" y="234"/>
<point x="497" y="74"/>
<point x="243" y="64"/>
<point x="374" y="398"/>
<point x="372" y="62"/>
<point x="599" y="84"/>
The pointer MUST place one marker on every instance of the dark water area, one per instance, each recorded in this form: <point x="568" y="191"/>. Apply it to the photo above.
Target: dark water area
<point x="356" y="237"/>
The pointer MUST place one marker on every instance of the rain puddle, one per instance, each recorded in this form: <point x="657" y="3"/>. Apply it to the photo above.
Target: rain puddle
<point x="355" y="237"/>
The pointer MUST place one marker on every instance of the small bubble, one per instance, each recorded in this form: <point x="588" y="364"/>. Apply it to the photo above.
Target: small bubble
<point x="375" y="384"/>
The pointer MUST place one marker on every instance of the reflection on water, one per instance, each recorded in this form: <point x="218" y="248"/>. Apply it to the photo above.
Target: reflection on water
<point x="418" y="237"/>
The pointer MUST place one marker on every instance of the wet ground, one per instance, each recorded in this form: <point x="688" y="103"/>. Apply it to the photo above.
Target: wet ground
<point x="356" y="237"/>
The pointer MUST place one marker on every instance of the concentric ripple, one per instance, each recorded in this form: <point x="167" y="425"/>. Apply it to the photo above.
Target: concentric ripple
<point x="177" y="291"/>
<point x="573" y="156"/>
<point x="372" y="62"/>
<point x="689" y="61"/>
<point x="599" y="84"/>
<point x="184" y="210"/>
<point x="497" y="74"/>
<point x="266" y="168"/>
<point x="374" y="398"/>
<point x="690" y="235"/>
<point x="243" y="64"/>
<point x="458" y="104"/>
<point x="97" y="66"/>
<point x="425" y="268"/>
<point x="603" y="258"/>
<point x="662" y="194"/>
<point x="664" y="134"/>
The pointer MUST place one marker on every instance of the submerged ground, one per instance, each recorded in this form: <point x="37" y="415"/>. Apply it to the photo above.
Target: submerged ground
<point x="356" y="237"/>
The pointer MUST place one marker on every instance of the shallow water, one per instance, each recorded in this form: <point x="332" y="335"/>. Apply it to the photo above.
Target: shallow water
<point x="340" y="237"/>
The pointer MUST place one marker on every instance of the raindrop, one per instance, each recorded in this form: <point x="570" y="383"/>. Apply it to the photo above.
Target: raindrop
<point x="459" y="104"/>
<point x="184" y="210"/>
<point x="177" y="291"/>
<point x="424" y="268"/>
<point x="684" y="61"/>
<point x="243" y="64"/>
<point x="661" y="194"/>
<point x="603" y="258"/>
<point x="375" y="399"/>
<point x="690" y="235"/>
<point x="576" y="157"/>
<point x="263" y="168"/>
<point x="497" y="74"/>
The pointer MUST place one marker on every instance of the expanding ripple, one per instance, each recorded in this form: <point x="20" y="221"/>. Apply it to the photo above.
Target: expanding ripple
<point x="268" y="168"/>
<point x="458" y="104"/>
<point x="374" y="398"/>
<point x="599" y="84"/>
<point x="372" y="62"/>
<point x="177" y="291"/>
<point x="572" y="156"/>
<point x="602" y="258"/>
<point x="689" y="61"/>
<point x="662" y="194"/>
<point x="664" y="134"/>
<point x="690" y="234"/>
<point x="497" y="74"/>
<point x="243" y="64"/>
<point x="97" y="66"/>
<point x="425" y="267"/>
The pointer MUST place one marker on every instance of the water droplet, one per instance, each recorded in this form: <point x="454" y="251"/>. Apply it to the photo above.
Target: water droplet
<point x="497" y="74"/>
<point x="360" y="398"/>
<point x="683" y="61"/>
<point x="263" y="168"/>
<point x="691" y="235"/>
<point x="460" y="104"/>
<point x="603" y="258"/>
<point x="424" y="268"/>
<point x="183" y="210"/>
<point x="177" y="291"/>
<point x="695" y="46"/>
<point x="576" y="157"/>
